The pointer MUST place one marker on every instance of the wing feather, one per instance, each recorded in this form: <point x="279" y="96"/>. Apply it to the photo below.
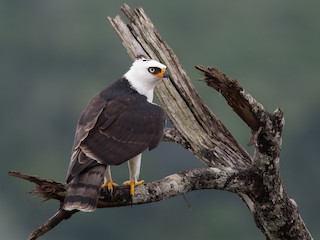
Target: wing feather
<point x="111" y="132"/>
<point x="88" y="119"/>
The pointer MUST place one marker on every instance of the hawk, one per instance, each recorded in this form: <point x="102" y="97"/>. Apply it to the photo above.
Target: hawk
<point x="117" y="125"/>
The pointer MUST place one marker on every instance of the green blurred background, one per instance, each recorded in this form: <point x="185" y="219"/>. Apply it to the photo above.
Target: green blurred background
<point x="55" y="55"/>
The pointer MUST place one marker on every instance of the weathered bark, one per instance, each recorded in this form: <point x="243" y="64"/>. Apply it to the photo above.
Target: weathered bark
<point x="256" y="179"/>
<point x="206" y="135"/>
<point x="170" y="186"/>
<point x="274" y="213"/>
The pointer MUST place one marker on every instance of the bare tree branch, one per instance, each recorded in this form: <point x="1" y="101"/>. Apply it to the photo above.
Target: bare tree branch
<point x="59" y="216"/>
<point x="274" y="212"/>
<point x="170" y="186"/>
<point x="241" y="102"/>
<point x="173" y="135"/>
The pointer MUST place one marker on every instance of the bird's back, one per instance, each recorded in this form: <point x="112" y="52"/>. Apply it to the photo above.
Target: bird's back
<point x="116" y="125"/>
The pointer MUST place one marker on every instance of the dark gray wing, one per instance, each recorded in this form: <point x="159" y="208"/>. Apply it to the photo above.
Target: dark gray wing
<point x="87" y="121"/>
<point x="112" y="132"/>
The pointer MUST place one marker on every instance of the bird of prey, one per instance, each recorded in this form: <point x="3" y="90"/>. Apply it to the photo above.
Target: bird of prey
<point x="117" y="125"/>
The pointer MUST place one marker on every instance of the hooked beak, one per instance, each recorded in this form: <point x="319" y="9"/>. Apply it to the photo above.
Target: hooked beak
<point x="166" y="74"/>
<point x="163" y="74"/>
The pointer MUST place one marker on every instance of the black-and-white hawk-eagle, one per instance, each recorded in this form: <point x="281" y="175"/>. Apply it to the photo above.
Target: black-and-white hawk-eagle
<point x="117" y="125"/>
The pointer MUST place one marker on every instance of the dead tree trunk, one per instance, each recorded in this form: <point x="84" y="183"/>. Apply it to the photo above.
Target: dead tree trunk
<point x="255" y="179"/>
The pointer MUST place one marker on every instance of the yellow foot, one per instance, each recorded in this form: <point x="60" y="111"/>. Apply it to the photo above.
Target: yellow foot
<point x="109" y="184"/>
<point x="132" y="185"/>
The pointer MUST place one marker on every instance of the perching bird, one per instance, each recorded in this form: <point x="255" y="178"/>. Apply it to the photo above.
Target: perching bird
<point x="118" y="124"/>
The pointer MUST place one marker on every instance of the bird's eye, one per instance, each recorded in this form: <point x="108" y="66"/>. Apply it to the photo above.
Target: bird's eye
<point x="154" y="70"/>
<point x="151" y="69"/>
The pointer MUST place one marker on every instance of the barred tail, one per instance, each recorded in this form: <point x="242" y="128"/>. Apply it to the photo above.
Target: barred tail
<point x="83" y="191"/>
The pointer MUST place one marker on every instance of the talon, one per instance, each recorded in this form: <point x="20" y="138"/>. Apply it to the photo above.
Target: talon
<point x="132" y="185"/>
<point x="109" y="185"/>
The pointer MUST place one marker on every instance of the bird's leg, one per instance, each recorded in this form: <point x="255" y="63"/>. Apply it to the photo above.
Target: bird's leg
<point x="108" y="183"/>
<point x="134" y="171"/>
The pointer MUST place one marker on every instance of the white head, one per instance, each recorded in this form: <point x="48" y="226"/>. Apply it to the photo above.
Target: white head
<point x="144" y="75"/>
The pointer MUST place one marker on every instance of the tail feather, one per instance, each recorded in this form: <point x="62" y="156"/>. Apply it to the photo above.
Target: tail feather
<point x="83" y="191"/>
